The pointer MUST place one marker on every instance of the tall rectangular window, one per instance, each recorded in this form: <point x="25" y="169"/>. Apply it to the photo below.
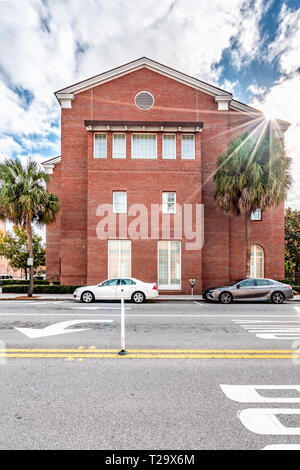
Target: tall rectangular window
<point x="169" y="203"/>
<point x="100" y="146"/>
<point x="119" y="258"/>
<point x="119" y="202"/>
<point x="143" y="146"/>
<point x="119" y="146"/>
<point x="169" y="265"/>
<point x="188" y="147"/>
<point x="169" y="146"/>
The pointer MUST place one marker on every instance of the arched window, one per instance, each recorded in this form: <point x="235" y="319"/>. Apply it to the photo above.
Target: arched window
<point x="257" y="261"/>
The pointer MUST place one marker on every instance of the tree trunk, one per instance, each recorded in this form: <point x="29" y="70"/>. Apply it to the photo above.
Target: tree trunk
<point x="248" y="248"/>
<point x="30" y="250"/>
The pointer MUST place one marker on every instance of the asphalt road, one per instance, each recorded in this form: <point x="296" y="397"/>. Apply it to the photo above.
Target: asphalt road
<point x="171" y="390"/>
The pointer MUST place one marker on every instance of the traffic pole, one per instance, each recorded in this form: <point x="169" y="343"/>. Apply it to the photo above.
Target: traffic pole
<point x="122" y="352"/>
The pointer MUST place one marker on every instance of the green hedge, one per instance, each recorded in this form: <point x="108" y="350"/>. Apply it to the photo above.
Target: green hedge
<point x="22" y="282"/>
<point x="39" y="289"/>
<point x="291" y="283"/>
<point x="286" y="281"/>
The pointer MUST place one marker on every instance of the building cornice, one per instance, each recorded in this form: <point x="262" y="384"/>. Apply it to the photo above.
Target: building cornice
<point x="49" y="164"/>
<point x="139" y="126"/>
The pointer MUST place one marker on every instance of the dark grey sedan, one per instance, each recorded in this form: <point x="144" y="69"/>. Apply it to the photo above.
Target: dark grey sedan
<point x="250" y="289"/>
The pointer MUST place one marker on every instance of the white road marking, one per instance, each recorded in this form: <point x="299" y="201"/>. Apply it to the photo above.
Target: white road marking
<point x="250" y="393"/>
<point x="275" y="329"/>
<point x="98" y="308"/>
<point x="198" y="303"/>
<point x="58" y="328"/>
<point x="265" y="421"/>
<point x="42" y="315"/>
<point x="278" y="336"/>
<point x="282" y="447"/>
<point x="266" y="321"/>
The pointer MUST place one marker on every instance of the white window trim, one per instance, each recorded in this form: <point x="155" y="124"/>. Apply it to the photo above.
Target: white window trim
<point x="120" y="212"/>
<point x="119" y="267"/>
<point x="99" y="133"/>
<point x="143" y="91"/>
<point x="188" y="158"/>
<point x="254" y="218"/>
<point x="169" y="158"/>
<point x="255" y="259"/>
<point x="118" y="133"/>
<point x="162" y="202"/>
<point x="165" y="286"/>
<point x="143" y="133"/>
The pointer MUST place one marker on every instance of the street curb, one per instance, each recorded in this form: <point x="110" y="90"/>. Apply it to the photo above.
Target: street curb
<point x="56" y="299"/>
<point x="68" y="300"/>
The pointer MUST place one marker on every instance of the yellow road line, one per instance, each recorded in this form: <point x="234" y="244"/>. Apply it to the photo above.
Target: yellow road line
<point x="149" y="356"/>
<point x="96" y="353"/>
<point x="153" y="351"/>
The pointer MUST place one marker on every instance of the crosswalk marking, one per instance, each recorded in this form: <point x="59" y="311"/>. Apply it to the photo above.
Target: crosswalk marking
<point x="271" y="329"/>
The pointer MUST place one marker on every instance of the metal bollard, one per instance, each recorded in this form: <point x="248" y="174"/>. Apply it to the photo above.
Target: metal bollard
<point x="122" y="352"/>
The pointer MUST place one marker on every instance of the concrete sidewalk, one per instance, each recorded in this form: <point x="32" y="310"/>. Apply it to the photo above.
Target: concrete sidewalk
<point x="68" y="297"/>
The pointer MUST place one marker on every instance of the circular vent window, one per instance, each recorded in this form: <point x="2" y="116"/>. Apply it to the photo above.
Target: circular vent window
<point x="144" y="100"/>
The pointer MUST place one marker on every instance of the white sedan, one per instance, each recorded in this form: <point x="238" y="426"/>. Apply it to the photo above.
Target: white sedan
<point x="132" y="288"/>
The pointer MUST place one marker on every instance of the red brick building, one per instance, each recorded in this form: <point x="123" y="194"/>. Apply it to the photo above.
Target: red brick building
<point x="144" y="133"/>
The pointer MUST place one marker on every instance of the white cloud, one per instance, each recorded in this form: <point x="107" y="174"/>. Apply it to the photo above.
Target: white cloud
<point x="256" y="90"/>
<point x="229" y="85"/>
<point x="287" y="42"/>
<point x="8" y="146"/>
<point x="249" y="40"/>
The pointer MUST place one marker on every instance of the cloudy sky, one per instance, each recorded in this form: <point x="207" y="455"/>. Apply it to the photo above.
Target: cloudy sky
<point x="249" y="47"/>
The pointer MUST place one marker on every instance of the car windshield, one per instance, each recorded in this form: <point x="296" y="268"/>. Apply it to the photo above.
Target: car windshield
<point x="231" y="283"/>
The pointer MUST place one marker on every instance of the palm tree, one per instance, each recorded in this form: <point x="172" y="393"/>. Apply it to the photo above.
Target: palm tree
<point x="253" y="173"/>
<point x="24" y="200"/>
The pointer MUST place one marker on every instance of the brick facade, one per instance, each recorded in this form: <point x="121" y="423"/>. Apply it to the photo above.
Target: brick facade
<point x="75" y="254"/>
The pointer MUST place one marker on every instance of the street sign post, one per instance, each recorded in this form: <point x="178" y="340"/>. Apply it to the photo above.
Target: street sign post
<point x="122" y="352"/>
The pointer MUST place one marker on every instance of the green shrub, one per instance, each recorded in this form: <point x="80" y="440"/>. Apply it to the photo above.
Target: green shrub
<point x="39" y="289"/>
<point x="286" y="281"/>
<point x="21" y="282"/>
<point x="291" y="282"/>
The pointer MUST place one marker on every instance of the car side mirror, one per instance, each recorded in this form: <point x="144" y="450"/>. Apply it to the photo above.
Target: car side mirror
<point x="100" y="285"/>
<point x="238" y="286"/>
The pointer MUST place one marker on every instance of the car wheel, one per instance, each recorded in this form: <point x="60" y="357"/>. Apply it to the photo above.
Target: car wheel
<point x="87" y="297"/>
<point x="225" y="298"/>
<point x="138" y="297"/>
<point x="277" y="298"/>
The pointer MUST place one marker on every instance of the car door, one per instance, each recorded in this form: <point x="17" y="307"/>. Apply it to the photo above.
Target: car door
<point x="128" y="286"/>
<point x="262" y="288"/>
<point x="244" y="290"/>
<point x="107" y="289"/>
